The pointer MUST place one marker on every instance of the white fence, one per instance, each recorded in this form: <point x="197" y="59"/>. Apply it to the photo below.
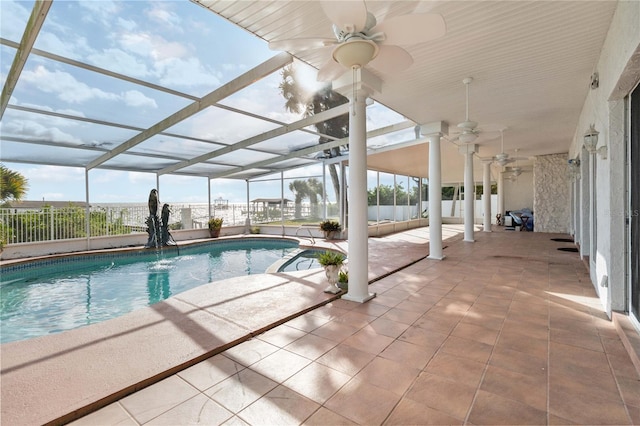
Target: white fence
<point x="59" y="223"/>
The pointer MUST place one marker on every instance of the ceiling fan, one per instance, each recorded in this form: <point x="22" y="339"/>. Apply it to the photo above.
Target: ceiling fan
<point x="514" y="171"/>
<point x="361" y="40"/>
<point x="503" y="158"/>
<point x="468" y="128"/>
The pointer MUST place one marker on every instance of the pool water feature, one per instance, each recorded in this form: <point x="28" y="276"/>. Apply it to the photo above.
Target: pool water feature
<point x="50" y="297"/>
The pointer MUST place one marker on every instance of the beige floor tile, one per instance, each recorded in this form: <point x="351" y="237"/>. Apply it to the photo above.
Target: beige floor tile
<point x="317" y="382"/>
<point x="475" y="332"/>
<point x="325" y="417"/>
<point x="387" y="374"/>
<point x="281" y="336"/>
<point x="210" y="371"/>
<point x="311" y="346"/>
<point x="585" y="408"/>
<point x="355" y="319"/>
<point x="423" y="337"/>
<point x="346" y="359"/>
<point x="198" y="410"/>
<point x="335" y="331"/>
<point x="158" y="398"/>
<point x="373" y="309"/>
<point x="411" y="355"/>
<point x="363" y="403"/>
<point x="581" y="340"/>
<point x="281" y="406"/>
<point x="387" y="327"/>
<point x="561" y="355"/>
<point x="519" y="362"/>
<point x="521" y="342"/>
<point x="307" y="322"/>
<point x="455" y="368"/>
<point x="401" y="315"/>
<point x="491" y="409"/>
<point x="465" y="348"/>
<point x="280" y="365"/>
<point x="439" y="393"/>
<point x="410" y="412"/>
<point x="111" y="415"/>
<point x="241" y="390"/>
<point x="235" y="421"/>
<point x="251" y="351"/>
<point x="368" y="341"/>
<point x="528" y="389"/>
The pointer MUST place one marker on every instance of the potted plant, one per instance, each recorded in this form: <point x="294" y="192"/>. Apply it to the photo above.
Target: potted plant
<point x="330" y="228"/>
<point x="332" y="262"/>
<point x="343" y="280"/>
<point x="215" y="223"/>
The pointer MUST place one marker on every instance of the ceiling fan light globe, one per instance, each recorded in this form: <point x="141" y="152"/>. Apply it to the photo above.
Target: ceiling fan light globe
<point x="355" y="53"/>
<point x="467" y="137"/>
<point x="469" y="125"/>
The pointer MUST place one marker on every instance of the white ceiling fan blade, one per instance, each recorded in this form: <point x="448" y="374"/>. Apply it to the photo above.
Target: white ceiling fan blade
<point x="350" y="16"/>
<point x="297" y="44"/>
<point x="391" y="59"/>
<point x="330" y="71"/>
<point x="411" y="29"/>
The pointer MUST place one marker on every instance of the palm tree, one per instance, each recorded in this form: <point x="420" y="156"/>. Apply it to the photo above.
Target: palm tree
<point x="300" y="191"/>
<point x="298" y="100"/>
<point x="12" y="185"/>
<point x="315" y="189"/>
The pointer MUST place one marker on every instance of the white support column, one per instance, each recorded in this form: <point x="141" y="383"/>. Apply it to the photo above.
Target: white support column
<point x="247" y="221"/>
<point x="469" y="192"/>
<point x="435" y="197"/>
<point x="358" y="221"/>
<point x="500" y="192"/>
<point x="486" y="194"/>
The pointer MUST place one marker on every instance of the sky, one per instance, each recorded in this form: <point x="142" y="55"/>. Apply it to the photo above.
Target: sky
<point x="175" y="44"/>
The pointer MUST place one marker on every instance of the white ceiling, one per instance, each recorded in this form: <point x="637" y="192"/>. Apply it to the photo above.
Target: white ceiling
<point x="531" y="63"/>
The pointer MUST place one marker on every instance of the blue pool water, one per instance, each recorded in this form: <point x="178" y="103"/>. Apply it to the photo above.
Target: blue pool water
<point x="307" y="259"/>
<point x="36" y="301"/>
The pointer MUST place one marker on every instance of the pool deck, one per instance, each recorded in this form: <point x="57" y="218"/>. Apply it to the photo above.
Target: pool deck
<point x="58" y="378"/>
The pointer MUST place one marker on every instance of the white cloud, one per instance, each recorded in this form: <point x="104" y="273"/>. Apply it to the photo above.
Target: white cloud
<point x="12" y="19"/>
<point x="135" y="98"/>
<point x="39" y="130"/>
<point x="99" y="11"/>
<point x="161" y="14"/>
<point x="120" y="61"/>
<point x="64" y="85"/>
<point x="187" y="72"/>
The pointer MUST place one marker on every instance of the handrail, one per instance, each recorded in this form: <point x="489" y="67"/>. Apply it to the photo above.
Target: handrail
<point x="313" y="241"/>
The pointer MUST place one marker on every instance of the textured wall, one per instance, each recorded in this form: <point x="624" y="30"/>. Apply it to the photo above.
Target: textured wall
<point x="551" y="193"/>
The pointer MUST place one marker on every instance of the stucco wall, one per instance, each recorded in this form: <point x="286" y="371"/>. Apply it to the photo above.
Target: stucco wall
<point x="551" y="193"/>
<point x="618" y="68"/>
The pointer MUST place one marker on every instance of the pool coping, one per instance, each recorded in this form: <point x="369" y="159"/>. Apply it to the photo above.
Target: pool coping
<point x="79" y="371"/>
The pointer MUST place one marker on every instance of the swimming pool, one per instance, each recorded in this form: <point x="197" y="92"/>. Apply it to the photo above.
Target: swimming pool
<point x="66" y="293"/>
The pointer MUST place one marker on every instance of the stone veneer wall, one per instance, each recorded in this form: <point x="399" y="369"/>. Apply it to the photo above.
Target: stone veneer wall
<point x="551" y="197"/>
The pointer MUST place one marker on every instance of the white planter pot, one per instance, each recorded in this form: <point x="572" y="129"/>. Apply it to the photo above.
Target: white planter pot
<point x="332" y="272"/>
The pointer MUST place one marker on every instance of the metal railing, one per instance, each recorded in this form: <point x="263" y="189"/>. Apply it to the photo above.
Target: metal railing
<point x="22" y="225"/>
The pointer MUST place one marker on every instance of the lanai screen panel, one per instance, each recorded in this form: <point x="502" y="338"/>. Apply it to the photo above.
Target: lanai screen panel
<point x="136" y="162"/>
<point x="266" y="98"/>
<point x="206" y="169"/>
<point x="51" y="85"/>
<point x="50" y="155"/>
<point x="171" y="44"/>
<point x="289" y="142"/>
<point x="221" y="126"/>
<point x="179" y="148"/>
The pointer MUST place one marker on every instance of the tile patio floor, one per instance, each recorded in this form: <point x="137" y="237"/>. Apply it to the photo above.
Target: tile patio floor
<point x="506" y="330"/>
